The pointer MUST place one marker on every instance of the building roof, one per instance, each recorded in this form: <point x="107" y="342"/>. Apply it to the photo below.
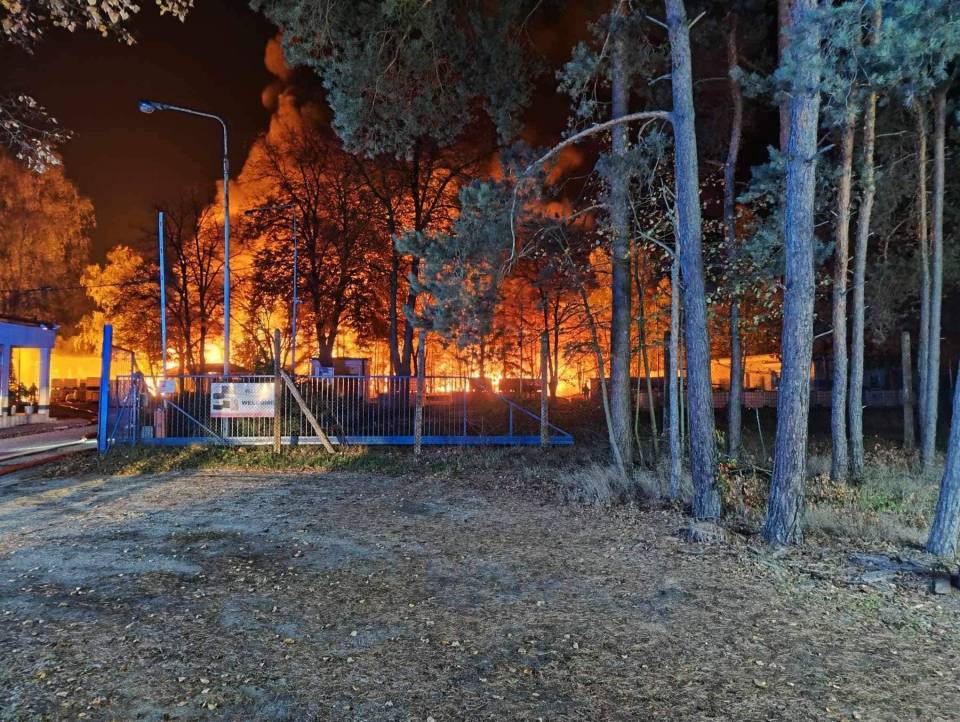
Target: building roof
<point x="23" y="321"/>
<point x="26" y="333"/>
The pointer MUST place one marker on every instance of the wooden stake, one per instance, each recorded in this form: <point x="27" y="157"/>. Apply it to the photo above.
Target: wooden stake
<point x="908" y="432"/>
<point x="277" y="393"/>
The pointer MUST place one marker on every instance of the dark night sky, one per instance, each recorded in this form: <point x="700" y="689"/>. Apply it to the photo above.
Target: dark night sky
<point x="123" y="160"/>
<point x="126" y="162"/>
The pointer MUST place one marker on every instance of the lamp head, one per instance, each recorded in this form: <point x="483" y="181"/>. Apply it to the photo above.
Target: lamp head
<point x="148" y="106"/>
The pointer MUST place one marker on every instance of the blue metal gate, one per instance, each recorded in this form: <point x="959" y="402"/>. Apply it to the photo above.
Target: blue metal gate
<point x="362" y="410"/>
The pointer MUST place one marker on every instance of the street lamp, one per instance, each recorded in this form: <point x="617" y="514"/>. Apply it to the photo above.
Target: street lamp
<point x="296" y="300"/>
<point x="149" y="106"/>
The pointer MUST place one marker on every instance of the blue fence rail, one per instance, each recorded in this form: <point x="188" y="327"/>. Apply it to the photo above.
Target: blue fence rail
<point x="361" y="410"/>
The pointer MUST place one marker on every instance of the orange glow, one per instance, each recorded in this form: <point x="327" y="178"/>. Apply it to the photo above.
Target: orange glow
<point x="213" y="352"/>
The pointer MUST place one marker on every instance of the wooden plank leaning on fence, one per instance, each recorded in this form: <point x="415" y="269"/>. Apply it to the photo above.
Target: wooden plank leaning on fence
<point x="311" y="419"/>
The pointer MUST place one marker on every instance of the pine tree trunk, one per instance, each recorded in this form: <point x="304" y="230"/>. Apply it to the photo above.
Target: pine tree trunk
<point x="598" y="356"/>
<point x="706" y="500"/>
<point x="682" y="396"/>
<point x="645" y="359"/>
<point x="735" y="403"/>
<point x="923" y="241"/>
<point x="838" y="393"/>
<point x="636" y="399"/>
<point x="946" y="520"/>
<point x="674" y="379"/>
<point x="868" y="192"/>
<point x="620" y="258"/>
<point x="932" y="392"/>
<point x="783" y="523"/>
<point x="907" y="391"/>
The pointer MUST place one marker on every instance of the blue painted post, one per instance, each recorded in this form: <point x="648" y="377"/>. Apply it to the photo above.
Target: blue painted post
<point x="163" y="297"/>
<point x="104" y="388"/>
<point x="4" y="379"/>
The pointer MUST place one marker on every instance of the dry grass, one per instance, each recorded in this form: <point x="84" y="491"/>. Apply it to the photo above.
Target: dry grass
<point x="598" y="484"/>
<point x="601" y="485"/>
<point x="893" y="502"/>
<point x="858" y="525"/>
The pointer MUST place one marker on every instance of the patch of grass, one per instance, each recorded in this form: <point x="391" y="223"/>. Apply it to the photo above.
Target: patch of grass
<point x="892" y="484"/>
<point x="127" y="461"/>
<point x="893" y="502"/>
<point x="598" y="485"/>
<point x="523" y="464"/>
<point x="853" y="523"/>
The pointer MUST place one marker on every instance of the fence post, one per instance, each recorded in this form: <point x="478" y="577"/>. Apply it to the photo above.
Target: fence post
<point x="908" y="439"/>
<point x="277" y="393"/>
<point x="104" y="404"/>
<point x="421" y="383"/>
<point x="544" y="405"/>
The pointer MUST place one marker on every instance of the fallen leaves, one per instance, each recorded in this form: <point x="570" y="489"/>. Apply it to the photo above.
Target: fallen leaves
<point x="534" y="611"/>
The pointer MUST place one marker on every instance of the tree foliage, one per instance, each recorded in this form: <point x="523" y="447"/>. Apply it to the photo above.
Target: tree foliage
<point x="341" y="265"/>
<point x="125" y="291"/>
<point x="396" y="73"/>
<point x="44" y="227"/>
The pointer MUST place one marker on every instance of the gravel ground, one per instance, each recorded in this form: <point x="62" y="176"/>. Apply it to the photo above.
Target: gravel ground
<point x="354" y="597"/>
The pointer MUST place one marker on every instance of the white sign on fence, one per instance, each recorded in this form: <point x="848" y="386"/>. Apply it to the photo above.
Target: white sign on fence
<point x="241" y="400"/>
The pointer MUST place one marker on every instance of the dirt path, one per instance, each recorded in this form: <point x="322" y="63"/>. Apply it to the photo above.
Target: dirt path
<point x="13" y="437"/>
<point x="340" y="597"/>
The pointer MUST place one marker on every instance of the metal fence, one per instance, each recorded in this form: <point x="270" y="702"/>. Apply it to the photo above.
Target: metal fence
<point x="876" y="398"/>
<point x="362" y="410"/>
<point x="872" y="398"/>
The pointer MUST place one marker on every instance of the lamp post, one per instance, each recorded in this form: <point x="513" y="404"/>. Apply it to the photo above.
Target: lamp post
<point x="149" y="106"/>
<point x="163" y="299"/>
<point x="295" y="301"/>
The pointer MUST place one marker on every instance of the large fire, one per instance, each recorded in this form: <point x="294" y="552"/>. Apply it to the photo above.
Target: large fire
<point x="262" y="275"/>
